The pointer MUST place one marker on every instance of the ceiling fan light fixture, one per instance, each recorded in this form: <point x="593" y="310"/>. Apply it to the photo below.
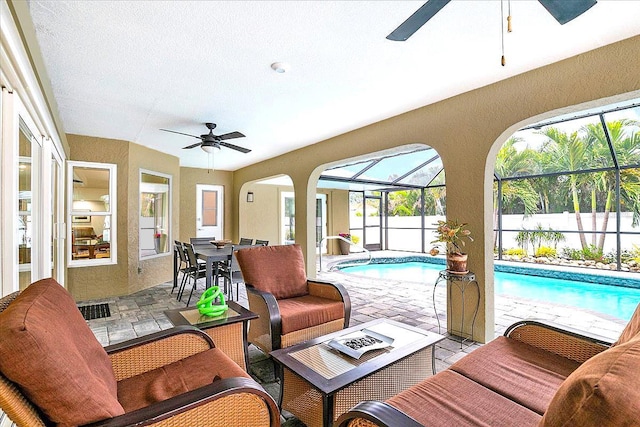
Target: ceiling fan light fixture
<point x="207" y="148"/>
<point x="280" y="67"/>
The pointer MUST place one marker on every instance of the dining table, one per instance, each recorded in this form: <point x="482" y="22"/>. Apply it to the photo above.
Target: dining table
<point x="211" y="254"/>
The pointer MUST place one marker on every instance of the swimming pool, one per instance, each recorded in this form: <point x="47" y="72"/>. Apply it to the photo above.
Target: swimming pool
<point x="616" y="301"/>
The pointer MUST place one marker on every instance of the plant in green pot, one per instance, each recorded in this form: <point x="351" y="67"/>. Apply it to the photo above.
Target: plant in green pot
<point x="453" y="234"/>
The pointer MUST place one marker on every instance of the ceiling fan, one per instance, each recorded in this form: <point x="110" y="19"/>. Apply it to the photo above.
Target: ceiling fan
<point x="209" y="141"/>
<point x="562" y="10"/>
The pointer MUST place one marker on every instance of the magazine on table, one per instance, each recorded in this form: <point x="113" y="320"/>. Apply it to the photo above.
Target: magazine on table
<point x="358" y="343"/>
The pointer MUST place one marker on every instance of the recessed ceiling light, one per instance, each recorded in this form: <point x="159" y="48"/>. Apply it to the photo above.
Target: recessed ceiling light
<point x="280" y="67"/>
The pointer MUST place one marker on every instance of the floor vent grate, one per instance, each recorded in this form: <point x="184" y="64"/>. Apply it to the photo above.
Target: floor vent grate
<point x="95" y="311"/>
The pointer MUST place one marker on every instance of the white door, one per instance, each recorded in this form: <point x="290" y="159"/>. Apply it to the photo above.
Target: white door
<point x="209" y="211"/>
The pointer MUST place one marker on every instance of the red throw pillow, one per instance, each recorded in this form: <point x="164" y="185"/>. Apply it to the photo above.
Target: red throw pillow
<point x="603" y="391"/>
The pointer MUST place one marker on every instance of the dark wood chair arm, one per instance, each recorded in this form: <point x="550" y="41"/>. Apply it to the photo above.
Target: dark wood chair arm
<point x="334" y="291"/>
<point x="145" y="339"/>
<point x="152" y="351"/>
<point x="268" y="311"/>
<point x="379" y="413"/>
<point x="194" y="401"/>
<point x="559" y="339"/>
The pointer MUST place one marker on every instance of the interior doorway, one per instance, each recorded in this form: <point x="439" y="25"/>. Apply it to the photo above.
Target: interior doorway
<point x="209" y="211"/>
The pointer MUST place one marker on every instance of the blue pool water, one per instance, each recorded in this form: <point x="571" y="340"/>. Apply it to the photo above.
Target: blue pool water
<point x="616" y="301"/>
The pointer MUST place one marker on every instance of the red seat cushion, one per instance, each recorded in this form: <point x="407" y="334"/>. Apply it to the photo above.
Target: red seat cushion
<point x="523" y="373"/>
<point x="306" y="311"/>
<point x="176" y="378"/>
<point x="47" y="348"/>
<point x="450" y="399"/>
<point x="279" y="270"/>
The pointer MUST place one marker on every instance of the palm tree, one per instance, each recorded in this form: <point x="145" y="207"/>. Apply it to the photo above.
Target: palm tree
<point x="627" y="148"/>
<point x="567" y="153"/>
<point x="509" y="163"/>
<point x="405" y="203"/>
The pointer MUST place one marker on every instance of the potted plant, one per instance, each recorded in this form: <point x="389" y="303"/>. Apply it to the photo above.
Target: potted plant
<point x="345" y="247"/>
<point x="453" y="233"/>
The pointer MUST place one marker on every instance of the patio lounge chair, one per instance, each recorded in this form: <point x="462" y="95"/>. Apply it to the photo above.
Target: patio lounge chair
<point x="537" y="375"/>
<point x="54" y="372"/>
<point x="291" y="307"/>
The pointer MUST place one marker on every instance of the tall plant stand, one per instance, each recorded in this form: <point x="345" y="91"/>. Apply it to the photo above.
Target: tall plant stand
<point x="462" y="282"/>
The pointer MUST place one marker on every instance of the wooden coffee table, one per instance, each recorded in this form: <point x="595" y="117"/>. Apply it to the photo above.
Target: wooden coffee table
<point x="229" y="331"/>
<point x="320" y="383"/>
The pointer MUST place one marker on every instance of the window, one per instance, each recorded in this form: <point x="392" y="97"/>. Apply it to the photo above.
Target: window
<point x="92" y="210"/>
<point x="155" y="218"/>
<point x="27" y="215"/>
<point x="568" y="190"/>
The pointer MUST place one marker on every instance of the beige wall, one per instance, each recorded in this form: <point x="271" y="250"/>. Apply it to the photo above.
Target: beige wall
<point x="262" y="219"/>
<point x="467" y="131"/>
<point x="189" y="177"/>
<point x="337" y="217"/>
<point x="124" y="277"/>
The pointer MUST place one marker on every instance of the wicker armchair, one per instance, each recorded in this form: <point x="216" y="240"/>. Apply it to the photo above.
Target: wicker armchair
<point x="291" y="307"/>
<point x="217" y="393"/>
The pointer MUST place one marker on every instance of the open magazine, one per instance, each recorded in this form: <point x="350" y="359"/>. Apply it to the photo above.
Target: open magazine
<point x="358" y="343"/>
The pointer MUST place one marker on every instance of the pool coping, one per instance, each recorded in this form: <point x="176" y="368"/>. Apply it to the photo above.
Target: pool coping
<point x="605" y="277"/>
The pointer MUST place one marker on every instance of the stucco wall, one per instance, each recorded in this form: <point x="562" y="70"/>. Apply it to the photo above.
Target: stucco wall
<point x="262" y="218"/>
<point x="467" y="131"/>
<point x="189" y="177"/>
<point x="150" y="271"/>
<point x="124" y="277"/>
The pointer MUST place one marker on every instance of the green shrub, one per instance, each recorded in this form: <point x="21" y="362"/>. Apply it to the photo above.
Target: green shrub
<point x="574" y="254"/>
<point x="610" y="258"/>
<point x="592" y="252"/>
<point x="515" y="252"/>
<point x="628" y="255"/>
<point x="546" y="251"/>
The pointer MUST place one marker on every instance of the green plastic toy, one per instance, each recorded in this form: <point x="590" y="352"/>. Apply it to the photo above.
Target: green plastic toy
<point x="205" y="306"/>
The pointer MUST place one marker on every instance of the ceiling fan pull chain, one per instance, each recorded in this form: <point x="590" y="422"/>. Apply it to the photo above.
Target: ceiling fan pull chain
<point x="509" y="17"/>
<point x="502" y="60"/>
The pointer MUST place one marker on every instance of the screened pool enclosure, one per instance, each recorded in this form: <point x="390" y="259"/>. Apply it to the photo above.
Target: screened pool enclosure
<point x="566" y="189"/>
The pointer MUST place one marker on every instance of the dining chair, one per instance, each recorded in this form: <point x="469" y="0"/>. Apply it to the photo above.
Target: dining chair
<point x="201" y="240"/>
<point x="262" y="242"/>
<point x="182" y="267"/>
<point x="197" y="269"/>
<point x="245" y="241"/>
<point x="230" y="272"/>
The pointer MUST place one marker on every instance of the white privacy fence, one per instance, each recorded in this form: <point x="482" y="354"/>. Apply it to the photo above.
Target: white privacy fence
<point x="404" y="231"/>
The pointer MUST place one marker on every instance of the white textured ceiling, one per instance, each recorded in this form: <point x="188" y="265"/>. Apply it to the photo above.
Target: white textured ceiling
<point x="125" y="69"/>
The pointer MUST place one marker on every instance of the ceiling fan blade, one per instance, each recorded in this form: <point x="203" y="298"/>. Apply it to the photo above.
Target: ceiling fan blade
<point x="230" y="135"/>
<point x="417" y="20"/>
<point x="235" y="147"/>
<point x="179" y="133"/>
<point x="564" y="11"/>
<point x="192" y="145"/>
